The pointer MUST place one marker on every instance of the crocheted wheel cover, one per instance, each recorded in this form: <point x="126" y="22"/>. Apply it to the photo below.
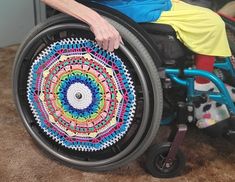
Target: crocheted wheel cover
<point x="81" y="96"/>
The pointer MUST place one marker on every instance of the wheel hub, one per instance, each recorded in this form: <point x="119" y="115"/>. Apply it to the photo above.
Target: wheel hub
<point x="78" y="95"/>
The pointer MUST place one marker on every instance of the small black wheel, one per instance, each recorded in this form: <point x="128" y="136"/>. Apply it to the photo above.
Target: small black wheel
<point x="155" y="162"/>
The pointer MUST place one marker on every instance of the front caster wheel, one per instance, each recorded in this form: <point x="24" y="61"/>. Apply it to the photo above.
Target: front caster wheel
<point x="156" y="165"/>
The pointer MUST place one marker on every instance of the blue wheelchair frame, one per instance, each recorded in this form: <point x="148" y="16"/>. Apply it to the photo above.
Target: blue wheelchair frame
<point x="222" y="96"/>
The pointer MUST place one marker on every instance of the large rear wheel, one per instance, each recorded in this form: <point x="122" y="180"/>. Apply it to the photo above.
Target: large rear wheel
<point x="88" y="108"/>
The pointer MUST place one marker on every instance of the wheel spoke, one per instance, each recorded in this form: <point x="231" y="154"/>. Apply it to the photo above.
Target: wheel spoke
<point x="46" y="40"/>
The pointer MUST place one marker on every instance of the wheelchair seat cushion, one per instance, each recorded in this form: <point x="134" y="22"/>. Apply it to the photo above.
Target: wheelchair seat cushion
<point x="166" y="42"/>
<point x="157" y="28"/>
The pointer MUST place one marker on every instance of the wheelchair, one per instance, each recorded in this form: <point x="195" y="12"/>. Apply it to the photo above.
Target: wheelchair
<point x="96" y="110"/>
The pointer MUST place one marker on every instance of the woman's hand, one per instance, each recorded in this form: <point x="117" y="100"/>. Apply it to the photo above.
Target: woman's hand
<point x="105" y="34"/>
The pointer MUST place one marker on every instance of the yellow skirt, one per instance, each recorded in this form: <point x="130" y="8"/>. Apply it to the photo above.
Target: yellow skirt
<point x="200" y="29"/>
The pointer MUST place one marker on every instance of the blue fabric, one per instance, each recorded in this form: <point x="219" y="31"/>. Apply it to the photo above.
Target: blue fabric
<point x="139" y="10"/>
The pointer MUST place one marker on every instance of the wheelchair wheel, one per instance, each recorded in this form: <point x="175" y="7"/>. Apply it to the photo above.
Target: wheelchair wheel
<point x="155" y="163"/>
<point x="86" y="107"/>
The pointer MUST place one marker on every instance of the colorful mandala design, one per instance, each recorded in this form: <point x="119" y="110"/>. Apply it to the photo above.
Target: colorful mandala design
<point x="81" y="96"/>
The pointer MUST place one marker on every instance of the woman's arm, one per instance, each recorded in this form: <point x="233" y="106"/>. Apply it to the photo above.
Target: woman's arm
<point x="105" y="34"/>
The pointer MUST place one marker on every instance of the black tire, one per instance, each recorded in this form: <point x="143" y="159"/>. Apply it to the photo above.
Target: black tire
<point x="155" y="156"/>
<point x="147" y="75"/>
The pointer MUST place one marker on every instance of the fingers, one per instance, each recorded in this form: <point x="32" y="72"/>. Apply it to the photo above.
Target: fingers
<point x="106" y="39"/>
<point x="111" y="43"/>
<point x="107" y="36"/>
<point x="114" y="39"/>
<point x="110" y="39"/>
<point x="99" y="40"/>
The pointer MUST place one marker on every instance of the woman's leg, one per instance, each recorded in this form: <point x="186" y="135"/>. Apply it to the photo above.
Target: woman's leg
<point x="210" y="112"/>
<point x="200" y="61"/>
<point x="202" y="31"/>
<point x="228" y="10"/>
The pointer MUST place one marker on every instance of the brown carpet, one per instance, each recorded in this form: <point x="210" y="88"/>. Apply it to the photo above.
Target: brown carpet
<point x="208" y="159"/>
